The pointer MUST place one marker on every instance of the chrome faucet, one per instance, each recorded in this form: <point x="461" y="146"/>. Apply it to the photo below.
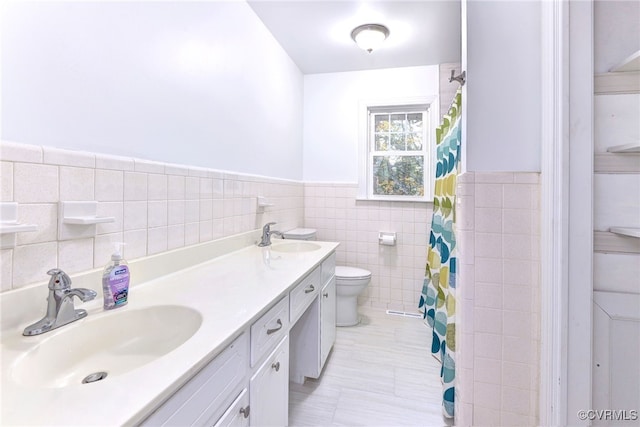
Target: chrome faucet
<point x="60" y="308"/>
<point x="266" y="234"/>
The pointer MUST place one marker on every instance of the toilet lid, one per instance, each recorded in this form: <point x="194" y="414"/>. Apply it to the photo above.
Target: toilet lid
<point x="344" y="272"/>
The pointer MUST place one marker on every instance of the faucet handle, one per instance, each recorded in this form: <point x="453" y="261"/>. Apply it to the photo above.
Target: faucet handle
<point x="268" y="225"/>
<point x="59" y="279"/>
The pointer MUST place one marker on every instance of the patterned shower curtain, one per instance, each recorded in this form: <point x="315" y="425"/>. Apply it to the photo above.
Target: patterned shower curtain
<point x="438" y="299"/>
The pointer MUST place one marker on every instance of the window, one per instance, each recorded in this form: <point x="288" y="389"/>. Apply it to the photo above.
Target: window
<point x="398" y="151"/>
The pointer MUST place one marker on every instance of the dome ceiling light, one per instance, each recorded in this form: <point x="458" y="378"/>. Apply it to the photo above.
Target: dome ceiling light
<point x="370" y="36"/>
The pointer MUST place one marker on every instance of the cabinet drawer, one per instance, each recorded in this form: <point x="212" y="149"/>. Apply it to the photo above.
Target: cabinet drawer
<point x="302" y="295"/>
<point x="268" y="330"/>
<point x="208" y="394"/>
<point x="238" y="413"/>
<point x="328" y="268"/>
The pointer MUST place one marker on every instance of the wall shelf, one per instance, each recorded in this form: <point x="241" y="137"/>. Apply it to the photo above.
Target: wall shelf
<point x="625" y="148"/>
<point x="626" y="82"/>
<point x="87" y="220"/>
<point x="608" y="242"/>
<point x="631" y="63"/>
<point x="626" y="231"/>
<point x="16" y="227"/>
<point x="263" y="202"/>
<point x="9" y="225"/>
<point x="616" y="163"/>
<point x="77" y="220"/>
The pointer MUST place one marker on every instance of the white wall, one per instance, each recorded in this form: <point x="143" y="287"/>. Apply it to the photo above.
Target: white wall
<point x="178" y="82"/>
<point x="503" y="101"/>
<point x="331" y="114"/>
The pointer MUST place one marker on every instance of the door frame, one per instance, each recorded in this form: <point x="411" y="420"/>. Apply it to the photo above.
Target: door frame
<point x="566" y="211"/>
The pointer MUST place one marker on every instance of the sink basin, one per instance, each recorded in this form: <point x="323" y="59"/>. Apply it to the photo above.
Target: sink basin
<point x="296" y="247"/>
<point x="114" y="343"/>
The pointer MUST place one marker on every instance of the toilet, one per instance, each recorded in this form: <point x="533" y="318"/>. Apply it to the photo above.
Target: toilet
<point x="350" y="282"/>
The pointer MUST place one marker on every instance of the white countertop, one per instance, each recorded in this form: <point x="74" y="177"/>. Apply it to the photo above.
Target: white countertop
<point x="230" y="292"/>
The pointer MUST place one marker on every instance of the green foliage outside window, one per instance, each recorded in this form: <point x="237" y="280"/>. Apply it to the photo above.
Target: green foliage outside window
<point x="397" y="169"/>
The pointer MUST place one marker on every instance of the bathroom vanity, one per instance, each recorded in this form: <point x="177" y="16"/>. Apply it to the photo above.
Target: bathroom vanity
<point x="254" y="319"/>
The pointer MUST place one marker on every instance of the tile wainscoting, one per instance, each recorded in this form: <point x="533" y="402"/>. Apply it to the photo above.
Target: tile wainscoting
<point x="498" y="334"/>
<point x="156" y="206"/>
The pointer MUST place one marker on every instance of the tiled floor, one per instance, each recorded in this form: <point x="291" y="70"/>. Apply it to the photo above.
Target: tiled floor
<point x="379" y="373"/>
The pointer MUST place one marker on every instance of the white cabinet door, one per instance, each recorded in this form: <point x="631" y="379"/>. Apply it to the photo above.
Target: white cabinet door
<point x="327" y="320"/>
<point x="238" y="413"/>
<point x="269" y="389"/>
<point x="616" y="356"/>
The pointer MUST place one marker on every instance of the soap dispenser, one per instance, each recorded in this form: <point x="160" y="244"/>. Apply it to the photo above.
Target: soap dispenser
<point x="115" y="280"/>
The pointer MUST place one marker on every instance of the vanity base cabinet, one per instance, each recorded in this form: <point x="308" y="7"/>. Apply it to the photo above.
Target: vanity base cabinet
<point x="269" y="389"/>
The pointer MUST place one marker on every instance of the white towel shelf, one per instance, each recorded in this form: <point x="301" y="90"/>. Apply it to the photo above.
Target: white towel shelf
<point x="9" y="225"/>
<point x="16" y="227"/>
<point x="625" y="148"/>
<point x="78" y="220"/>
<point x="88" y="220"/>
<point x="626" y="231"/>
<point x="263" y="202"/>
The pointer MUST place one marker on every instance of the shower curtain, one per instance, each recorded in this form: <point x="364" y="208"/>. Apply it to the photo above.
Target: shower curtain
<point x="438" y="298"/>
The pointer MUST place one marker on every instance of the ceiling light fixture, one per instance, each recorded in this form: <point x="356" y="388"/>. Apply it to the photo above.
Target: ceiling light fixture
<point x="370" y="36"/>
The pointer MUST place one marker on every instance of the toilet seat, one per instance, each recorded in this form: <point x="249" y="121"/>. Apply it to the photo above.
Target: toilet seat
<point x="300" y="234"/>
<point x="351" y="273"/>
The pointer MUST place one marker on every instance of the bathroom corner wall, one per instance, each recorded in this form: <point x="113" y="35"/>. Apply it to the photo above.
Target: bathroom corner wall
<point x="397" y="271"/>
<point x="157" y="207"/>
<point x="498" y="338"/>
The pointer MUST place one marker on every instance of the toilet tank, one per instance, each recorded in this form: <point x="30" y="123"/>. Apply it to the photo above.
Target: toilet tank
<point x="300" y="234"/>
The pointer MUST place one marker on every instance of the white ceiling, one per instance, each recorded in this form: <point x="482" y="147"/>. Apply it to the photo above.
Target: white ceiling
<point x="317" y="34"/>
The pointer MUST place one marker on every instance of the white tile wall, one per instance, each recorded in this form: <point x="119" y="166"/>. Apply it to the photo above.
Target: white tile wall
<point x="156" y="206"/>
<point x="498" y="303"/>
<point x="397" y="271"/>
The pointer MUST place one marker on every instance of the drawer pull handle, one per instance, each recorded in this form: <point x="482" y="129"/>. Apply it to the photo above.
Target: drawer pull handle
<point x="276" y="366"/>
<point x="271" y="331"/>
<point x="326" y="295"/>
<point x="245" y="411"/>
<point x="309" y="289"/>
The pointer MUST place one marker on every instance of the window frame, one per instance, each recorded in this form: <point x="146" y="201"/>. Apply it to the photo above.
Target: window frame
<point x="427" y="104"/>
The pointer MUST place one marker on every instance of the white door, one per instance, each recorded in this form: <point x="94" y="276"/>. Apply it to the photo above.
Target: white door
<point x="269" y="389"/>
<point x="327" y="320"/>
<point x="616" y="358"/>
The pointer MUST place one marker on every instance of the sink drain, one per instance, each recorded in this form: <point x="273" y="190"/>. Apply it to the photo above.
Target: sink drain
<point x="92" y="378"/>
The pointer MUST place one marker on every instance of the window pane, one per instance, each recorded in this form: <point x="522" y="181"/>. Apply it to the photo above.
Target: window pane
<point x="397" y="141"/>
<point x="414" y="141"/>
<point x="397" y="122"/>
<point x="382" y="123"/>
<point x="398" y="175"/>
<point x="382" y="142"/>
<point x="415" y="122"/>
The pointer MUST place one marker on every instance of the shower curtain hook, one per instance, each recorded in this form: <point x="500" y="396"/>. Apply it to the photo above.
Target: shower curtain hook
<point x="460" y="79"/>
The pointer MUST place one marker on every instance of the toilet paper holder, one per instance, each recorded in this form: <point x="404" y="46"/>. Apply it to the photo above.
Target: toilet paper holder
<point x="387" y="238"/>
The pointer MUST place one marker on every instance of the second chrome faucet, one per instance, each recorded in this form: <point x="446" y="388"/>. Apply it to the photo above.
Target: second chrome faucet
<point x="266" y="234"/>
